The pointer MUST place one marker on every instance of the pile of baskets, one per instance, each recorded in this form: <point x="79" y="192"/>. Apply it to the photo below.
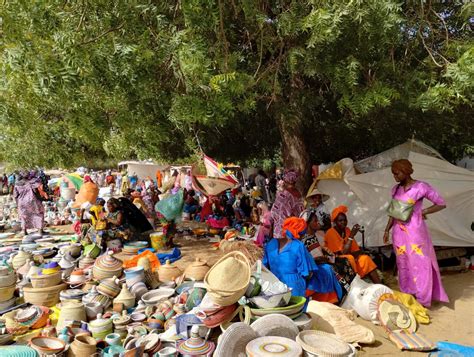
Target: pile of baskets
<point x="7" y="287"/>
<point x="48" y="296"/>
<point x="227" y="281"/>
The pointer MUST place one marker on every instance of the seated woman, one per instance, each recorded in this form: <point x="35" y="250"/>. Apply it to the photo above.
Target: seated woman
<point x="314" y="242"/>
<point x="191" y="206"/>
<point x="117" y="226"/>
<point x="292" y="264"/>
<point x="340" y="241"/>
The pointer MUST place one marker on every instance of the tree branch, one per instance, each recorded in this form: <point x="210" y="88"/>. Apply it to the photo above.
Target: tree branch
<point x="224" y="39"/>
<point x="83" y="15"/>
<point x="112" y="29"/>
<point x="428" y="49"/>
<point x="444" y="24"/>
<point x="261" y="54"/>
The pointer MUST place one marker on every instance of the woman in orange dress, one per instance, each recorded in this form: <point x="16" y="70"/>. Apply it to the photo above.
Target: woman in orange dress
<point x="340" y="240"/>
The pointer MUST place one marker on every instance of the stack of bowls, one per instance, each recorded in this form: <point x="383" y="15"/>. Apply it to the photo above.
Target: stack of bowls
<point x="45" y="280"/>
<point x="132" y="248"/>
<point x="7" y="288"/>
<point x="106" y="266"/>
<point x="33" y="317"/>
<point x="71" y="295"/>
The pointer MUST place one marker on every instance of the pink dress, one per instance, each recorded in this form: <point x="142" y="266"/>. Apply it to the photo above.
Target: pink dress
<point x="30" y="208"/>
<point x="418" y="271"/>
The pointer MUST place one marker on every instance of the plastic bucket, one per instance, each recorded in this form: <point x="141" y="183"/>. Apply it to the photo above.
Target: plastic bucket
<point x="158" y="241"/>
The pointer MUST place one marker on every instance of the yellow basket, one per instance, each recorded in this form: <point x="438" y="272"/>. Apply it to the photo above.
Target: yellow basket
<point x="158" y="241"/>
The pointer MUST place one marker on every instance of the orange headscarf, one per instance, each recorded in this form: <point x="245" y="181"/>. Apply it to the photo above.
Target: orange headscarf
<point x="295" y="226"/>
<point x="338" y="210"/>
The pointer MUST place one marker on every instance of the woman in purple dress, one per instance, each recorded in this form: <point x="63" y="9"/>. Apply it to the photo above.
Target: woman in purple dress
<point x="27" y="191"/>
<point x="288" y="203"/>
<point x="418" y="271"/>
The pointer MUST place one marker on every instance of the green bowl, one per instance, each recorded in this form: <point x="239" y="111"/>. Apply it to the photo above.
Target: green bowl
<point x="295" y="305"/>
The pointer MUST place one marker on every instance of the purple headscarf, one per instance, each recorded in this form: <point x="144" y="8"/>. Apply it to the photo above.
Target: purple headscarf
<point x="290" y="176"/>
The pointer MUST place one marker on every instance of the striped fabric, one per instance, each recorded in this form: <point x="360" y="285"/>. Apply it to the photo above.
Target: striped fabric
<point x="411" y="341"/>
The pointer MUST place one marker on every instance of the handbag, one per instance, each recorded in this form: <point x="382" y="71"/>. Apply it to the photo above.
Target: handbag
<point x="400" y="210"/>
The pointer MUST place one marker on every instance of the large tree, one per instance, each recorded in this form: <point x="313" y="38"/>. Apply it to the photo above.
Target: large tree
<point x="243" y="79"/>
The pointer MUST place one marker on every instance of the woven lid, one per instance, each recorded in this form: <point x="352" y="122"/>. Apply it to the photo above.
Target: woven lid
<point x="195" y="346"/>
<point x="275" y="325"/>
<point x="108" y="262"/>
<point x="323" y="344"/>
<point x="198" y="262"/>
<point x="230" y="273"/>
<point x="168" y="265"/>
<point x="234" y="340"/>
<point x="272" y="346"/>
<point x="395" y="316"/>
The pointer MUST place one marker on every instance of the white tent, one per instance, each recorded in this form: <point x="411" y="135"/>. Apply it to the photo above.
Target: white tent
<point x="367" y="196"/>
<point x="385" y="158"/>
<point x="142" y="168"/>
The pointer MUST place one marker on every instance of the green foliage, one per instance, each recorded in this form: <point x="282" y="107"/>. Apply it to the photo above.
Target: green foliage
<point x="97" y="80"/>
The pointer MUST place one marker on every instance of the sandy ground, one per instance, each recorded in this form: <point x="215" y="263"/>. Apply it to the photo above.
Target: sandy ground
<point x="453" y="322"/>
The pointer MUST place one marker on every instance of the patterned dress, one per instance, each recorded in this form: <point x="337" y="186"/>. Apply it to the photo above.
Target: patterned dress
<point x="286" y="205"/>
<point x="30" y="208"/>
<point x="418" y="271"/>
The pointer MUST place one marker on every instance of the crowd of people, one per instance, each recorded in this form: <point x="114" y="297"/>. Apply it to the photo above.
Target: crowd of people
<point x="311" y="250"/>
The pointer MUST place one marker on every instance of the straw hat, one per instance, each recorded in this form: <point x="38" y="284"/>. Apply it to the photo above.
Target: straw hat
<point x="315" y="192"/>
<point x="230" y="274"/>
<point x="275" y="325"/>
<point x="395" y="316"/>
<point x="323" y="344"/>
<point x="272" y="346"/>
<point x="234" y="340"/>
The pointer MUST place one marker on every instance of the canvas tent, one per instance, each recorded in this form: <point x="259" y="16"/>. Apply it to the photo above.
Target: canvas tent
<point x="385" y="158"/>
<point x="367" y="196"/>
<point x="142" y="168"/>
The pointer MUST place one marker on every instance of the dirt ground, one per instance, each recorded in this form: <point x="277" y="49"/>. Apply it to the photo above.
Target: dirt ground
<point x="453" y="322"/>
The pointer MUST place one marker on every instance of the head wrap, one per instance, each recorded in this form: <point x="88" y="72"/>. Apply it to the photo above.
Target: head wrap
<point x="290" y="176"/>
<point x="403" y="165"/>
<point x="337" y="211"/>
<point x="293" y="227"/>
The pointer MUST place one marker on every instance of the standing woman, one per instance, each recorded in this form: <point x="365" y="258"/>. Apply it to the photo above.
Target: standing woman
<point x="288" y="203"/>
<point x="27" y="193"/>
<point x="418" y="271"/>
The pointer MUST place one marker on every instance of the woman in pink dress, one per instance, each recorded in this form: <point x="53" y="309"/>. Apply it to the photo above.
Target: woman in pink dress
<point x="418" y="271"/>
<point x="288" y="203"/>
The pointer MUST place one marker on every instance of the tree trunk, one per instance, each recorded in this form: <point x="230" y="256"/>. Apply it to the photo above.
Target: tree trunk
<point x="294" y="151"/>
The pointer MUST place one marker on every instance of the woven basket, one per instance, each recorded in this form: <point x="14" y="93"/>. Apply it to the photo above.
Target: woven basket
<point x="82" y="346"/>
<point x="7" y="280"/>
<point x="230" y="275"/>
<point x="319" y="343"/>
<point x="43" y="296"/>
<point x="45" y="281"/>
<point x="168" y="272"/>
<point x="225" y="300"/>
<point x="7" y="292"/>
<point x="197" y="270"/>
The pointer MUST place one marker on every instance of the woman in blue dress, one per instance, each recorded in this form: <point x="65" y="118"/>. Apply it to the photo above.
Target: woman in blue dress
<point x="292" y="264"/>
